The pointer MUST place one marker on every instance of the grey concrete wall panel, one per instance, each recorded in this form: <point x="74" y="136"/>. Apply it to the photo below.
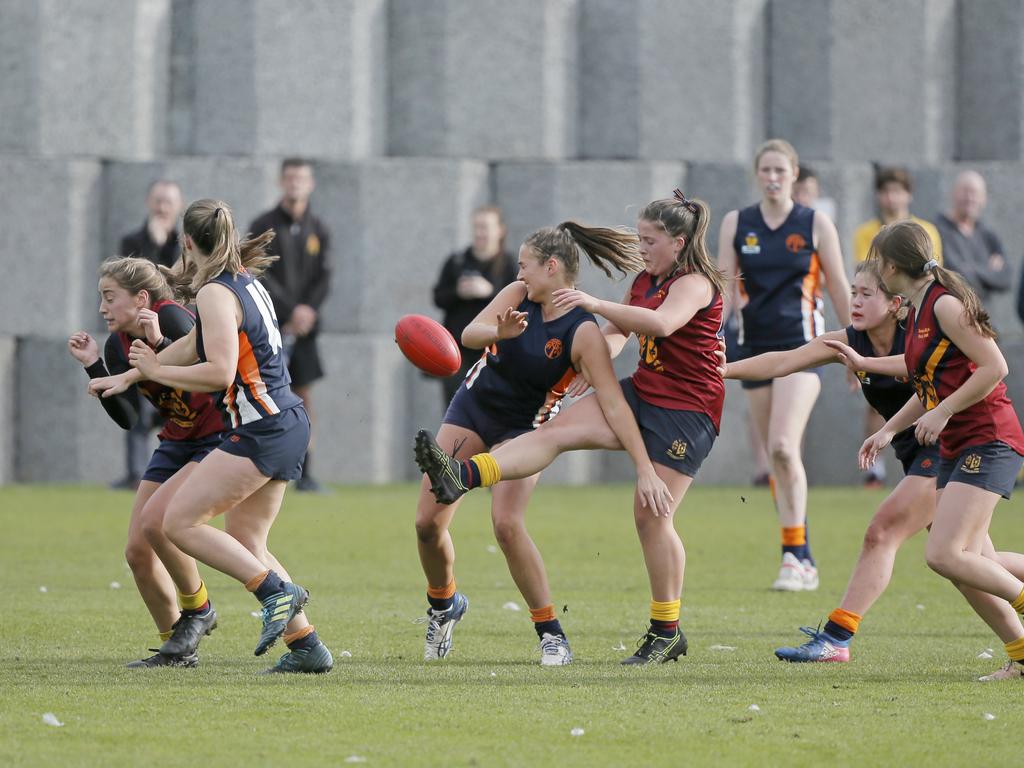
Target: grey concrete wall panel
<point x="84" y="78"/>
<point x="835" y="433"/>
<point x="63" y="435"/>
<point x="483" y="78"/>
<point x="51" y="236"/>
<point x="694" y="89"/>
<point x="282" y="79"/>
<point x="8" y="405"/>
<point x="896" y="55"/>
<point x="361" y="433"/>
<point x="393" y="222"/>
<point x="851" y="188"/>
<point x="990" y="96"/>
<point x="600" y="193"/>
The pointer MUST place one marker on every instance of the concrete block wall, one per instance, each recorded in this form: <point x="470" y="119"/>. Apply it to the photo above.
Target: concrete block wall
<point x="417" y="111"/>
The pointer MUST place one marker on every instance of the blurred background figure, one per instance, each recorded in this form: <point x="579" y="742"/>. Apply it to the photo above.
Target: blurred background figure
<point x="298" y="283"/>
<point x="157" y="241"/>
<point x="969" y="246"/>
<point x="469" y="280"/>
<point x="808" y="193"/>
<point x="894" y="192"/>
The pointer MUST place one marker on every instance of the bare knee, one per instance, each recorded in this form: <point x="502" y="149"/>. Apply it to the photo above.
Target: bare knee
<point x="507" y="531"/>
<point x="429" y="529"/>
<point x="941" y="560"/>
<point x="139" y="555"/>
<point x="881" y="532"/>
<point x="152" y="524"/>
<point x="784" y="453"/>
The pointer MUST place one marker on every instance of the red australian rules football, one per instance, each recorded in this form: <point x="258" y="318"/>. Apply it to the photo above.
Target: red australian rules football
<point x="428" y="345"/>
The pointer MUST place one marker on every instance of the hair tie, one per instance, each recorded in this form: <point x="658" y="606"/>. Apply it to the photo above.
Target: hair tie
<point x="688" y="204"/>
<point x="216" y="212"/>
<point x="929" y="265"/>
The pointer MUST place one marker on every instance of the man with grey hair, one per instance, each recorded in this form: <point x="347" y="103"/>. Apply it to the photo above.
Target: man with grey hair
<point x="968" y="246"/>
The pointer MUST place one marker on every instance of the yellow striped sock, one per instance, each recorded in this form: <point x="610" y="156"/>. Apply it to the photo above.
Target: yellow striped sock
<point x="490" y="472"/>
<point x="1015" y="650"/>
<point x="195" y="601"/>
<point x="1018" y="603"/>
<point x="165" y="636"/>
<point x="665" y="611"/>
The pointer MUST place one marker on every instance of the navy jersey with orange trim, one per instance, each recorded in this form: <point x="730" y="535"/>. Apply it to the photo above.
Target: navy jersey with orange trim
<point x="262" y="385"/>
<point x="186" y="415"/>
<point x="523" y="380"/>
<point x="680" y="371"/>
<point x="780" y="279"/>
<point x="938" y="368"/>
<point x="886" y="394"/>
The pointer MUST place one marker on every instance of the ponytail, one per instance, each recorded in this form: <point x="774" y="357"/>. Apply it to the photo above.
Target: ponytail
<point x="604" y="246"/>
<point x="977" y="317"/>
<point x="688" y="218"/>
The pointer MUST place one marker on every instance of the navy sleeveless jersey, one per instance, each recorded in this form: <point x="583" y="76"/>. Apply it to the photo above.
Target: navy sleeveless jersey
<point x="523" y="380"/>
<point x="262" y="385"/>
<point x="886" y="394"/>
<point x="780" y="279"/>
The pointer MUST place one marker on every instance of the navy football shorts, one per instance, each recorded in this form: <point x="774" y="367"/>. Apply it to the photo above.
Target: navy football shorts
<point x="466" y="411"/>
<point x="991" y="466"/>
<point x="275" y="444"/>
<point x="680" y="440"/>
<point x="172" y="455"/>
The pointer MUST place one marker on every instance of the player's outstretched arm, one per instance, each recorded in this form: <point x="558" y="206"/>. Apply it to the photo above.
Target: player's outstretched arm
<point x="498" y="320"/>
<point x="874" y="445"/>
<point x="774" y="365"/>
<point x="894" y="365"/>
<point x="590" y="350"/>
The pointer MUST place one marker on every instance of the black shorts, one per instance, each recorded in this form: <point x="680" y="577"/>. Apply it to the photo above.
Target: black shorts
<point x="680" y="440"/>
<point x="746" y="350"/>
<point x="923" y="462"/>
<point x="275" y="444"/>
<point x="991" y="466"/>
<point x="465" y="411"/>
<point x="172" y="455"/>
<point x="304" y="362"/>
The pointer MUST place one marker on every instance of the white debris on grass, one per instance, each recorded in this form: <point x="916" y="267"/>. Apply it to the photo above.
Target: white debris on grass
<point x="355" y="759"/>
<point x="255" y="614"/>
<point x="620" y="647"/>
<point x="984" y="655"/>
<point x="492" y="549"/>
<point x="576" y="732"/>
<point x="43" y="589"/>
<point x="510" y="606"/>
<point x="115" y="585"/>
<point x="722" y="648"/>
<point x="989" y="716"/>
<point x="346" y="654"/>
<point x="920" y="607"/>
<point x="754" y="708"/>
<point x="51" y="719"/>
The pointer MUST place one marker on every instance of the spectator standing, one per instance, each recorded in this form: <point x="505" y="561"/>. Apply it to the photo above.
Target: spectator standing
<point x="469" y="280"/>
<point x="157" y="241"/>
<point x="969" y="246"/>
<point x="298" y="283"/>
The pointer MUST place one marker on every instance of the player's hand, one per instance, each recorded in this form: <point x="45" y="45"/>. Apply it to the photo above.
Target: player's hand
<point x="511" y="323"/>
<point x="108" y="386"/>
<point x="578" y="386"/>
<point x="142" y="357"/>
<point x="567" y="298"/>
<point x="474" y="287"/>
<point x="872" y="447"/>
<point x="653" y="493"/>
<point x="852" y="380"/>
<point x="83" y="348"/>
<point x="847" y="356"/>
<point x="930" y="426"/>
<point x="721" y="364"/>
<point x="303" y="319"/>
<point x="150" y="324"/>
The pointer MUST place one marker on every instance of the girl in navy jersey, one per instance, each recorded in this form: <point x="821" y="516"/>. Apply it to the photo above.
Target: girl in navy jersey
<point x="135" y="302"/>
<point x="777" y="253"/>
<point x="533" y="350"/>
<point x="961" y="403"/>
<point x="676" y="395"/>
<point x="236" y="347"/>
<point x="875" y="331"/>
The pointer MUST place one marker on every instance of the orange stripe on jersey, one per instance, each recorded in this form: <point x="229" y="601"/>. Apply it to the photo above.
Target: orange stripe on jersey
<point x="249" y="370"/>
<point x="811" y="290"/>
<point x="929" y="372"/>
<point x="555" y="394"/>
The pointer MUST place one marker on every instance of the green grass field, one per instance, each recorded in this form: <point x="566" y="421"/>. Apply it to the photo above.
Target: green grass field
<point x="908" y="698"/>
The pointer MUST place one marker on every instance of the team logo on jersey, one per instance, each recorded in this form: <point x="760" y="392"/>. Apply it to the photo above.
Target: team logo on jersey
<point x="972" y="464"/>
<point x="926" y="464"/>
<point x="795" y="243"/>
<point x="865" y="379"/>
<point x="235" y="439"/>
<point x="751" y="244"/>
<point x="553" y="348"/>
<point x="313" y="245"/>
<point x="677" y="450"/>
<point x="924" y="333"/>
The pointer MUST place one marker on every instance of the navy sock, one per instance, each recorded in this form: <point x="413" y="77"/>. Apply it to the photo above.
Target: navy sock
<point x="469" y="474"/>
<point x="833" y="630"/>
<point x="552" y="627"/>
<point x="309" y="641"/>
<point x="806" y="555"/>
<point x="664" y="628"/>
<point x="270" y="586"/>
<point x="797" y="550"/>
<point x="441" y="603"/>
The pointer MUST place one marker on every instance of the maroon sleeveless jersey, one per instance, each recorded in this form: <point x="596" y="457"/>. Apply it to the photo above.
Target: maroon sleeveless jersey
<point x="938" y="368"/>
<point x="679" y="371"/>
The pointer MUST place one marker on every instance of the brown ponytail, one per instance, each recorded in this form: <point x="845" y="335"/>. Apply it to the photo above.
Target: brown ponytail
<point x="688" y="218"/>
<point x="212" y="228"/>
<point x="907" y="247"/>
<point x="604" y="246"/>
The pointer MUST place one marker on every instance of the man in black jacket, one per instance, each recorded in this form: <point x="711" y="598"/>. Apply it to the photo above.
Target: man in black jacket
<point x="298" y="282"/>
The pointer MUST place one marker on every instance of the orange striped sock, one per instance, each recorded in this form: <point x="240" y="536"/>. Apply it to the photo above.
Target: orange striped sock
<point x="795" y="536"/>
<point x="848" y="620"/>
<point x="254" y="583"/>
<point x="547" y="613"/>
<point x="441" y="593"/>
<point x="298" y="634"/>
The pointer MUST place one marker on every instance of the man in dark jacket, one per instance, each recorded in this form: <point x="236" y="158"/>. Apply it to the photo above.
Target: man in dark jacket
<point x="298" y="282"/>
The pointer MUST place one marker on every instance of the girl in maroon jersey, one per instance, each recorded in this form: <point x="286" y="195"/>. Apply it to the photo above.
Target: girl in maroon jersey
<point x="676" y="394"/>
<point x="135" y="302"/>
<point x="961" y="403"/>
